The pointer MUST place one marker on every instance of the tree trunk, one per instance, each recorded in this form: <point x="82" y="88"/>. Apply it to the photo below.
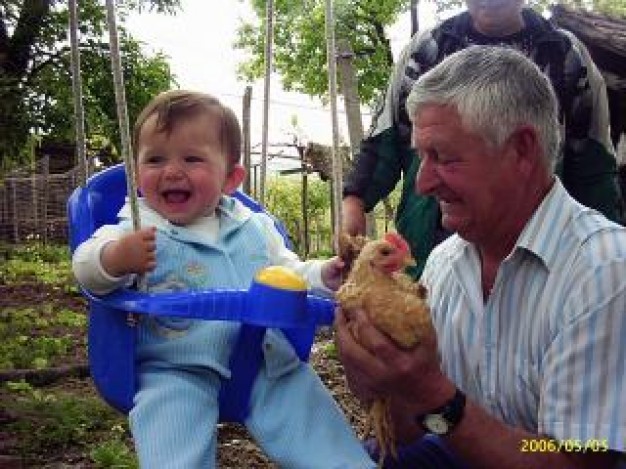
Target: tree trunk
<point x="15" y="55"/>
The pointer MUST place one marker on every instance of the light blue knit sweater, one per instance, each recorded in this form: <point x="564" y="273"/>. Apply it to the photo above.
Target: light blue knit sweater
<point x="188" y="261"/>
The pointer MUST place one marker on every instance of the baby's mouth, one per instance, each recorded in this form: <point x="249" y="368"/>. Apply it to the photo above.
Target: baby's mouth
<point x="176" y="196"/>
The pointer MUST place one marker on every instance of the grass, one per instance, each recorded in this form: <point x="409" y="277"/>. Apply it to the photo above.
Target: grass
<point x="48" y="264"/>
<point x="59" y="422"/>
<point x="66" y="424"/>
<point x="37" y="336"/>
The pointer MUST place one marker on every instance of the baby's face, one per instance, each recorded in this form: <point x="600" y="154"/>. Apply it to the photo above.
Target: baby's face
<point x="182" y="174"/>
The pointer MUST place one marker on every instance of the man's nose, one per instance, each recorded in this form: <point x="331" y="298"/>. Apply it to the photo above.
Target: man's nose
<point x="427" y="178"/>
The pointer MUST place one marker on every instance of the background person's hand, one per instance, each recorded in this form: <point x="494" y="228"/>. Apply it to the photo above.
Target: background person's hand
<point x="353" y="215"/>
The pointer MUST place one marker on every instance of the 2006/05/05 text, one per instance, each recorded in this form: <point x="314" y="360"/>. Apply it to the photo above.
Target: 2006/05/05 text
<point x="546" y="445"/>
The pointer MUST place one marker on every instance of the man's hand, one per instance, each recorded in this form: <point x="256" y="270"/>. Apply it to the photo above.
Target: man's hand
<point x="353" y="218"/>
<point x="134" y="253"/>
<point x="376" y="367"/>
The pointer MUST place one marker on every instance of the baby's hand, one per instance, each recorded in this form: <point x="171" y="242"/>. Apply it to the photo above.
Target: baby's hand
<point x="134" y="253"/>
<point x="332" y="273"/>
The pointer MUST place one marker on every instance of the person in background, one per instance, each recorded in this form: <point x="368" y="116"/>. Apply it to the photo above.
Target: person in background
<point x="528" y="297"/>
<point x="586" y="165"/>
<point x="196" y="236"/>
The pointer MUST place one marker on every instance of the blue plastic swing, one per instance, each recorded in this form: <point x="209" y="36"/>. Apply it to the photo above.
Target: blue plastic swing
<point x="111" y="338"/>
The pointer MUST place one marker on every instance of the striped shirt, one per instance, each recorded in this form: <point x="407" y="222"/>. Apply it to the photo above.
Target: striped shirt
<point x="547" y="350"/>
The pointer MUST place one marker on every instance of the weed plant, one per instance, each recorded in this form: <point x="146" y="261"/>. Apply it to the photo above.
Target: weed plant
<point x="60" y="422"/>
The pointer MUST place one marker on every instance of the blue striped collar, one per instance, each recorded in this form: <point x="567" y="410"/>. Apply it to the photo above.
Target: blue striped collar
<point x="541" y="234"/>
<point x="538" y="237"/>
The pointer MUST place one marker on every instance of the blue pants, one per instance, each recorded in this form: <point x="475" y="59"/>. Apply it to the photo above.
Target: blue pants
<point x="293" y="418"/>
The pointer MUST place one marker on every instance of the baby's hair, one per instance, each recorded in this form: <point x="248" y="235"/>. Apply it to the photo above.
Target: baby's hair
<point x="171" y="106"/>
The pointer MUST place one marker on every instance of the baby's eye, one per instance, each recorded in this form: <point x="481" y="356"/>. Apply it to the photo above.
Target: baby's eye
<point x="193" y="159"/>
<point x="153" y="159"/>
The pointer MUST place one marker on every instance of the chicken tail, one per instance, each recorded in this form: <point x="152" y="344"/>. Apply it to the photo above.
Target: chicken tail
<point x="379" y="420"/>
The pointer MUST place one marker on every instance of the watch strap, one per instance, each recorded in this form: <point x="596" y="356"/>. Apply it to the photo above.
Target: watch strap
<point x="452" y="411"/>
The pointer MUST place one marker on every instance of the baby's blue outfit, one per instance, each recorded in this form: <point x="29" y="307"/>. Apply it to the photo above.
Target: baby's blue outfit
<point x="181" y="362"/>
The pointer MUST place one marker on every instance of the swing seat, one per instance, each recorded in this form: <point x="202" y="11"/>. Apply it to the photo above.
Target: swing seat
<point x="112" y="337"/>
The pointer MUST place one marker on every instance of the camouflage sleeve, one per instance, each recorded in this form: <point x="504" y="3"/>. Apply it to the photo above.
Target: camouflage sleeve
<point x="589" y="170"/>
<point x="379" y="164"/>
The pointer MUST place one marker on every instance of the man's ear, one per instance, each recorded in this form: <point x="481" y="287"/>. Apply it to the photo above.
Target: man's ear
<point x="234" y="179"/>
<point x="524" y="142"/>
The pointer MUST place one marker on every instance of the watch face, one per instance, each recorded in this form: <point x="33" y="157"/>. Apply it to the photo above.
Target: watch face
<point x="435" y="423"/>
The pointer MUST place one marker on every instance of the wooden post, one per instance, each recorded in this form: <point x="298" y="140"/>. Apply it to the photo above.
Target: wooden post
<point x="304" y="202"/>
<point x="16" y="231"/>
<point x="350" y="91"/>
<point x="337" y="179"/>
<point x="77" y="91"/>
<point x="34" y="196"/>
<point x="46" y="195"/>
<point x="247" y="163"/>
<point x="269" y="39"/>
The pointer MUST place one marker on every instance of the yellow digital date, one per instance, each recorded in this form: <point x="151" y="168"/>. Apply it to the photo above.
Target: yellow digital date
<point x="547" y="445"/>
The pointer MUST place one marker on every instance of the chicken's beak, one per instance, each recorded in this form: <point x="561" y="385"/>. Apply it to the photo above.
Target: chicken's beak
<point x="409" y="262"/>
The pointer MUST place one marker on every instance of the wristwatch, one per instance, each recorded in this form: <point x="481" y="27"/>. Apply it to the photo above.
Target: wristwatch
<point x="442" y="421"/>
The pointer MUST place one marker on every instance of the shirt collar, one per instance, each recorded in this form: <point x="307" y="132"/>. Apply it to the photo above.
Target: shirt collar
<point x="537" y="236"/>
<point x="546" y="223"/>
<point x="230" y="211"/>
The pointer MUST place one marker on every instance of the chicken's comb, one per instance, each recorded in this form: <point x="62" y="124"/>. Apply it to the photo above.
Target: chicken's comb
<point x="398" y="241"/>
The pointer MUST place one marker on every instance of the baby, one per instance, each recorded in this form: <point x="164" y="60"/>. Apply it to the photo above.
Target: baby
<point x="196" y="236"/>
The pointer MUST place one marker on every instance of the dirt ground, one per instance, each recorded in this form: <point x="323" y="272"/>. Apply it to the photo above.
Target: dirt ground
<point x="236" y="449"/>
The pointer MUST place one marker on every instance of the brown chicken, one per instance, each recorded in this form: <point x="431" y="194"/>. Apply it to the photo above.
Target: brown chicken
<point x="395" y="303"/>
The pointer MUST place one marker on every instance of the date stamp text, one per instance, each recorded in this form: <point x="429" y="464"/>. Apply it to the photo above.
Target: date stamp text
<point x="547" y="445"/>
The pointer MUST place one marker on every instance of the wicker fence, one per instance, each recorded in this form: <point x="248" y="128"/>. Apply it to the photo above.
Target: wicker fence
<point x="33" y="204"/>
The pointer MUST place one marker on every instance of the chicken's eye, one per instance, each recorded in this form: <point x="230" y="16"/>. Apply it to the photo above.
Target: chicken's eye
<point x="385" y="251"/>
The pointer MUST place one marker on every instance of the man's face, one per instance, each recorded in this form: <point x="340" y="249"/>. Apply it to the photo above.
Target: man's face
<point x="496" y="17"/>
<point x="470" y="179"/>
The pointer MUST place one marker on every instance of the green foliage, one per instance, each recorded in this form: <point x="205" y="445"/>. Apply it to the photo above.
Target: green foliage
<point x="36" y="86"/>
<point x="299" y="49"/>
<point x="38" y="336"/>
<point x="47" y="423"/>
<point x="35" y="270"/>
<point x="57" y="421"/>
<point x="37" y="252"/>
<point x="284" y="201"/>
<point x="32" y="352"/>
<point x="330" y="351"/>
<point x="300" y="43"/>
<point x="38" y="262"/>
<point x="114" y="453"/>
<point x="609" y="7"/>
<point x="26" y="340"/>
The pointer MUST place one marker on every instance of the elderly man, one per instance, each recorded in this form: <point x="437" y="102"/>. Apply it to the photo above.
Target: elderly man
<point x="528" y="298"/>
